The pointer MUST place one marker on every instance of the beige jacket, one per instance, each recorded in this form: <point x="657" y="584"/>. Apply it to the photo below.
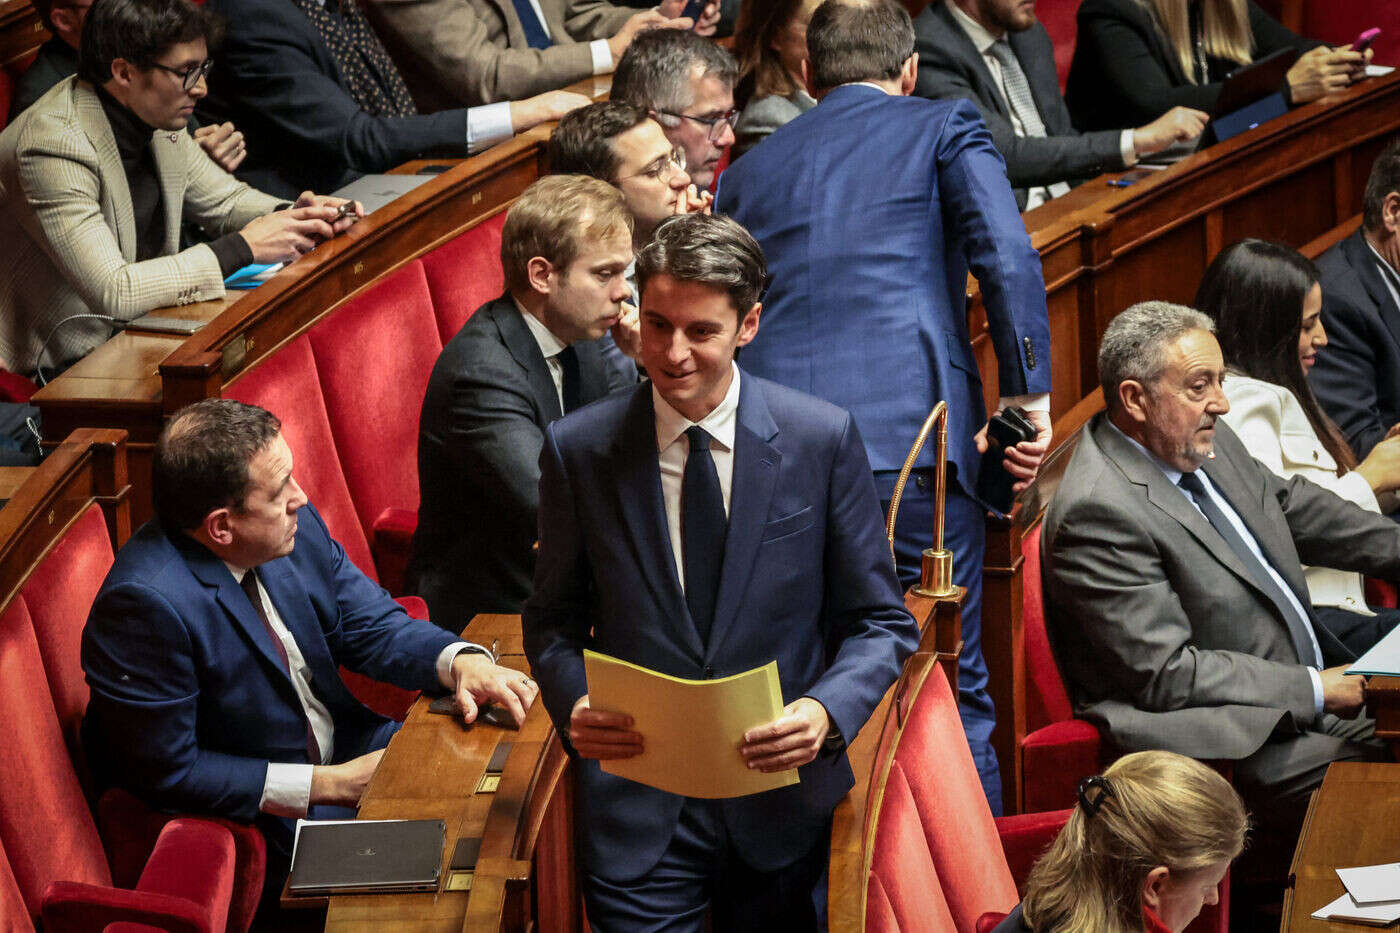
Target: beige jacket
<point x="464" y="53"/>
<point x="68" y="237"/>
<point x="1270" y="421"/>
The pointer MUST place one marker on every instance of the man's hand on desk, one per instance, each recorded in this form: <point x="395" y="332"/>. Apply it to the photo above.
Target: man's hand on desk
<point x="346" y="212"/>
<point x="791" y="740"/>
<point x="598" y="734"/>
<point x="343" y="784"/>
<point x="1177" y="125"/>
<point x="1323" y="71"/>
<point x="551" y="105"/>
<point x="480" y="680"/>
<point x="222" y="143"/>
<point x="284" y="235"/>
<point x="1342" y="694"/>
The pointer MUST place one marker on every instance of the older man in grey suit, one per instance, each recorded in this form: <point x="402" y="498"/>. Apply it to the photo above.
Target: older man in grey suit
<point x="97" y="177"/>
<point x="465" y="53"/>
<point x="1177" y="605"/>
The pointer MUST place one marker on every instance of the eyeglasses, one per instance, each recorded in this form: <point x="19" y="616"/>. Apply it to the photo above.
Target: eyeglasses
<point x="717" y="124"/>
<point x="663" y="167"/>
<point x="190" y="76"/>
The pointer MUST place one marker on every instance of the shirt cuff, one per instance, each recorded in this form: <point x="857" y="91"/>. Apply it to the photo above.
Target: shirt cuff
<point x="1039" y="402"/>
<point x="232" y="253"/>
<point x="286" y="790"/>
<point x="487" y="126"/>
<point x="1317" y="691"/>
<point x="449" y="654"/>
<point x="1129" y="151"/>
<point x="602" y="56"/>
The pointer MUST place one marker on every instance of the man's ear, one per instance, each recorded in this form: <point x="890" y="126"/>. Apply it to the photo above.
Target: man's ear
<point x="807" y="78"/>
<point x="1153" y="886"/>
<point x="122" y="72"/>
<point x="748" y="325"/>
<point x="217" y="527"/>
<point x="1390" y="212"/>
<point x="66" y="24"/>
<point x="1132" y="398"/>
<point x="540" y="272"/>
<point x="909" y="75"/>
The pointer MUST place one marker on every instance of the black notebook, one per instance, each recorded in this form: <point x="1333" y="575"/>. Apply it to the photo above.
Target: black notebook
<point x="367" y="857"/>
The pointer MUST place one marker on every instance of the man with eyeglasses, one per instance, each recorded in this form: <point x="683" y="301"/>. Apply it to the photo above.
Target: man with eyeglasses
<point x="58" y="59"/>
<point x="96" y="177"/>
<point x="686" y="83"/>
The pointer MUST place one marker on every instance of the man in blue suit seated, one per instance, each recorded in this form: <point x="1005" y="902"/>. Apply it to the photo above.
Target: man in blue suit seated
<point x="871" y="207"/>
<point x="212" y="649"/>
<point x="702" y="525"/>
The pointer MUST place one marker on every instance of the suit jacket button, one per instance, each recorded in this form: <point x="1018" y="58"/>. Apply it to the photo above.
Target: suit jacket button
<point x="1030" y="352"/>
<point x="709" y="673"/>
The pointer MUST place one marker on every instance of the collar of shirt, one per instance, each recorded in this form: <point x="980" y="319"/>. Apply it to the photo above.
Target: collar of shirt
<point x="719" y="424"/>
<point x="982" y="40"/>
<point x="1388" y="272"/>
<point x="865" y="84"/>
<point x="550" y="345"/>
<point x="238" y="572"/>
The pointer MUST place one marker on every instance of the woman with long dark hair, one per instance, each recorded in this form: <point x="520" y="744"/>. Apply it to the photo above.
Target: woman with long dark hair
<point x="770" y="41"/>
<point x="1267" y="308"/>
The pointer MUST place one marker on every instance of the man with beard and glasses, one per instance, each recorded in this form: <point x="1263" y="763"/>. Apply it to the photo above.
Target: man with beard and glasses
<point x="1177" y="606"/>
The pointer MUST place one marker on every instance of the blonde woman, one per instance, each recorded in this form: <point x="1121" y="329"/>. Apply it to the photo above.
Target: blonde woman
<point x="1136" y="59"/>
<point x="770" y="41"/>
<point x="1145" y="850"/>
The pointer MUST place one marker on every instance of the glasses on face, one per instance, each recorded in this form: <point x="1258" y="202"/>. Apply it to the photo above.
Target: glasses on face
<point x="663" y="167"/>
<point x="190" y="76"/>
<point x="717" y="124"/>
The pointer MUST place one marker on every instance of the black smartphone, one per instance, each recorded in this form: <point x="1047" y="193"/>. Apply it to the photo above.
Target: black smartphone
<point x="693" y="9"/>
<point x="1007" y="428"/>
<point x="488" y="713"/>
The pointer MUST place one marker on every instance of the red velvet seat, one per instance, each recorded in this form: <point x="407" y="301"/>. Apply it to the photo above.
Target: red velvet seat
<point x="1058" y="17"/>
<point x="48" y="835"/>
<point x="373" y="399"/>
<point x="465" y="273"/>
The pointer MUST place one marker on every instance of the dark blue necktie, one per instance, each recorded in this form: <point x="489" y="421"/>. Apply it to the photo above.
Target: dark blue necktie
<point x="573" y="391"/>
<point x="530" y="22"/>
<point x="703" y="526"/>
<point x="1298" y="626"/>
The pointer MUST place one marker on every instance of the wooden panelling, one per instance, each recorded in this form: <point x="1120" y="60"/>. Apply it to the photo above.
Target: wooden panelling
<point x="21" y="32"/>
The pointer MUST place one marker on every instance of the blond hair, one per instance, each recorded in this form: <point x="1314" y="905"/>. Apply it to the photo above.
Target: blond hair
<point x="1225" y="31"/>
<point x="1161" y="809"/>
<point x="554" y="217"/>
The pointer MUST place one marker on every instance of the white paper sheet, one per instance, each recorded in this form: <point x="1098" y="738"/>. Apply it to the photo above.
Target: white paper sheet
<point x="1371" y="883"/>
<point x="1346" y="908"/>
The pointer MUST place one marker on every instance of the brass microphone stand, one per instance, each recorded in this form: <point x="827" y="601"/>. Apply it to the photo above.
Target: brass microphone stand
<point x="936" y="572"/>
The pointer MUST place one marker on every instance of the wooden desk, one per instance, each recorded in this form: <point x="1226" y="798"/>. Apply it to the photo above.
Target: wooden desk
<point x="1353" y="819"/>
<point x="21" y="32"/>
<point x="1383" y="704"/>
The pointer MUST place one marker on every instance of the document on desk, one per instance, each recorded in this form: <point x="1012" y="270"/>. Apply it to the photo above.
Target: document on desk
<point x="1370" y="884"/>
<point x="1379" y="914"/>
<point x="691" y="729"/>
<point x="1382" y="660"/>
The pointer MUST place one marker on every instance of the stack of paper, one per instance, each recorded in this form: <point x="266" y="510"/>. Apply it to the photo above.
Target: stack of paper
<point x="1372" y="896"/>
<point x="1382" y="660"/>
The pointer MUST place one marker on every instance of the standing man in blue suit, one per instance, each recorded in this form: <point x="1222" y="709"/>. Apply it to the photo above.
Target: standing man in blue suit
<point x="701" y="525"/>
<point x="871" y="207"/>
<point x="213" y="645"/>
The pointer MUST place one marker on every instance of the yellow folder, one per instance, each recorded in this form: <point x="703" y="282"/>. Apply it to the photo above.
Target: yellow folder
<point x="691" y="729"/>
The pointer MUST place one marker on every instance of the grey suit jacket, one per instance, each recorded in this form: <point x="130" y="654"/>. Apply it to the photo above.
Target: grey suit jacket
<point x="763" y="115"/>
<point x="463" y="53"/>
<point x="67" y="233"/>
<point x="951" y="67"/>
<point x="1163" y="638"/>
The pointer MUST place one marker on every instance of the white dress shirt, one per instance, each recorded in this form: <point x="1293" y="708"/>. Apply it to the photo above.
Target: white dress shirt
<point x="598" y="48"/>
<point x="287" y="787"/>
<point x="982" y="40"/>
<point x="1173" y="475"/>
<point x="550" y="348"/>
<point x="1388" y="275"/>
<point x="673" y="448"/>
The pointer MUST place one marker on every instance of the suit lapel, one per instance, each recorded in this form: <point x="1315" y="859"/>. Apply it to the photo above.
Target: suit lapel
<point x="299" y="616"/>
<point x="109" y="165"/>
<point x="959" y="39"/>
<point x="1167" y="498"/>
<point x="592" y="371"/>
<point x="755" y="477"/>
<point x="170" y="168"/>
<point x="1361" y="258"/>
<point x="515" y="33"/>
<point x="515" y="334"/>
<point x="644" y="512"/>
<point x="211" y="571"/>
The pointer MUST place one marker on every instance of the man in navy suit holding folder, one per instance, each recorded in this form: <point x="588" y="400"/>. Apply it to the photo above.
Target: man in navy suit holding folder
<point x="701" y="525"/>
<point x="871" y="208"/>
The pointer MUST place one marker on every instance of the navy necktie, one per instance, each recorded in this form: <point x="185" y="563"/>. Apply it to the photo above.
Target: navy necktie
<point x="1298" y="626"/>
<point x="530" y="22"/>
<point x="703" y="527"/>
<point x="249" y="583"/>
<point x="573" y="391"/>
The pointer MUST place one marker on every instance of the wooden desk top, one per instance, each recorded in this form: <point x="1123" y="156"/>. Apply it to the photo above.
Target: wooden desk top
<point x="1354" y="819"/>
<point x="431" y="771"/>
